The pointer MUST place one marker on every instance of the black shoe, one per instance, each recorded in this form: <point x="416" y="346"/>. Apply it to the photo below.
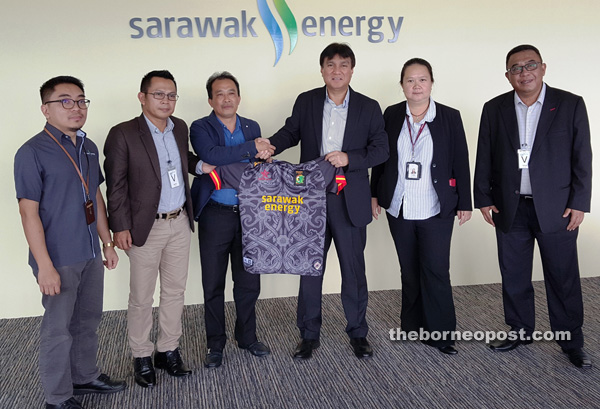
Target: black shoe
<point x="448" y="350"/>
<point x="361" y="347"/>
<point x="144" y="372"/>
<point x="70" y="403"/>
<point x="257" y="348"/>
<point x="171" y="361"/>
<point x="214" y="358"/>
<point x="578" y="357"/>
<point x="305" y="348"/>
<point x="101" y="385"/>
<point x="509" y="345"/>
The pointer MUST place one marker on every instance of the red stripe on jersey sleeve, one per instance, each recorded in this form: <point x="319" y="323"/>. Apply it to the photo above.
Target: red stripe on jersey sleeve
<point x="341" y="182"/>
<point x="216" y="180"/>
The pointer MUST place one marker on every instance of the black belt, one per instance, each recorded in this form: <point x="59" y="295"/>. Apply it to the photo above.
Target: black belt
<point x="221" y="206"/>
<point x="527" y="197"/>
<point x="170" y="215"/>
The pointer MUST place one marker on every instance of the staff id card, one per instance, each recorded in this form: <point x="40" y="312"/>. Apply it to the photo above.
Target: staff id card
<point x="524" y="155"/>
<point x="173" y="178"/>
<point x="413" y="171"/>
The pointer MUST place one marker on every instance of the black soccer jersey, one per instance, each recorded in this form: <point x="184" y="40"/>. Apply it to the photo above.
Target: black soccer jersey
<point x="283" y="212"/>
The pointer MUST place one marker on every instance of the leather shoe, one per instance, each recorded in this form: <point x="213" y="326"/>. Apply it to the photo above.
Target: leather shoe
<point x="448" y="350"/>
<point x="578" y="357"/>
<point x="257" y="348"/>
<point x="144" y="372"/>
<point x="171" y="361"/>
<point x="214" y="358"/>
<point x="361" y="347"/>
<point x="70" y="403"/>
<point x="102" y="385"/>
<point x="305" y="348"/>
<point x="509" y="345"/>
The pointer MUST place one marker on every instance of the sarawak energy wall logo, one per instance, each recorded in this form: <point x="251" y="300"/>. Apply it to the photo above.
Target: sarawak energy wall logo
<point x="273" y="28"/>
<point x="376" y="28"/>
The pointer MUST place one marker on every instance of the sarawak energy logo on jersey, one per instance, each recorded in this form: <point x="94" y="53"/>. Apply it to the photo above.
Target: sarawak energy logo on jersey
<point x="286" y="204"/>
<point x="375" y="28"/>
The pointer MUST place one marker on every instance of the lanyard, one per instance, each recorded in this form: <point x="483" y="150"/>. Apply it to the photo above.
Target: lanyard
<point x="85" y="185"/>
<point x="413" y="143"/>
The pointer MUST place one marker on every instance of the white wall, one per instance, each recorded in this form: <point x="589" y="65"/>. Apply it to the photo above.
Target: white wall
<point x="466" y="42"/>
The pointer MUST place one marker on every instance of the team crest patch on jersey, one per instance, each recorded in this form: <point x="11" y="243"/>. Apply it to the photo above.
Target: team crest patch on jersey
<point x="317" y="265"/>
<point x="300" y="178"/>
<point x="248" y="262"/>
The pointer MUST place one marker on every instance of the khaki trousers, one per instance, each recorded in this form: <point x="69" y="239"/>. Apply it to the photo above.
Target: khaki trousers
<point x="165" y="254"/>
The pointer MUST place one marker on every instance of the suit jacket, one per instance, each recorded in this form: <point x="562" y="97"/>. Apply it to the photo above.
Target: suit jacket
<point x="450" y="160"/>
<point x="560" y="166"/>
<point x="133" y="181"/>
<point x="208" y="140"/>
<point x="365" y="142"/>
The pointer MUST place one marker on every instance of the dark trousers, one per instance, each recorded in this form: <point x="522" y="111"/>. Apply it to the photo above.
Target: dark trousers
<point x="350" y="243"/>
<point x="68" y="339"/>
<point x="558" y="252"/>
<point x="220" y="237"/>
<point x="423" y="248"/>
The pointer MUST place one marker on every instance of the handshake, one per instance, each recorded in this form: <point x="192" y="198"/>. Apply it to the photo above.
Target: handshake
<point x="264" y="148"/>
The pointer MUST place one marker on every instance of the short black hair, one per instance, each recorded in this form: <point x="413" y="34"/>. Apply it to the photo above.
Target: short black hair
<point x="47" y="87"/>
<point x="418" y="61"/>
<point x="223" y="75"/>
<point x="523" y="47"/>
<point x="160" y="74"/>
<point x="341" y="49"/>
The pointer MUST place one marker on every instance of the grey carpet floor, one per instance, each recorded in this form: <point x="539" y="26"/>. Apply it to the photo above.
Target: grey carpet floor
<point x="400" y="375"/>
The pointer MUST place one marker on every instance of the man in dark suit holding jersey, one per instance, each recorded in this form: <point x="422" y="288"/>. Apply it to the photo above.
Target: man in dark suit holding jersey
<point x="533" y="181"/>
<point x="347" y="128"/>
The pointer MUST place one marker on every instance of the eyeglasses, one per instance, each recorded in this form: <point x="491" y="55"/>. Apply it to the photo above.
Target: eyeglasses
<point x="517" y="69"/>
<point x="69" y="103"/>
<point x="161" y="95"/>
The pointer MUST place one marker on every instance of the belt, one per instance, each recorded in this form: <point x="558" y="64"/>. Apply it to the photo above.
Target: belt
<point x="221" y="206"/>
<point x="170" y="215"/>
<point x="527" y="197"/>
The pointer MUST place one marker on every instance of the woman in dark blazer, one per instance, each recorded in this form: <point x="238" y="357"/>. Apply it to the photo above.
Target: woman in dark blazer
<point x="424" y="184"/>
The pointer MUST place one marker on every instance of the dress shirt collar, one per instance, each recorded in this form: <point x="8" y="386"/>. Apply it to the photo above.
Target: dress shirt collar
<point x="344" y="102"/>
<point x="540" y="99"/>
<point x="154" y="129"/>
<point x="429" y="115"/>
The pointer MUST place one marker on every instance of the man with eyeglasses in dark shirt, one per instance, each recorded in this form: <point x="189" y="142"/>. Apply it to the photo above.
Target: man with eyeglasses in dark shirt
<point x="57" y="178"/>
<point x="150" y="213"/>
<point x="533" y="182"/>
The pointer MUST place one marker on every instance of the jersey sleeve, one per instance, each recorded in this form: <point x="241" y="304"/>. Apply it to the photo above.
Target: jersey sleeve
<point x="334" y="177"/>
<point x="228" y="176"/>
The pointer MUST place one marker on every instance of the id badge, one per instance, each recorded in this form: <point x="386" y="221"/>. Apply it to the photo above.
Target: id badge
<point x="89" y="212"/>
<point x="413" y="170"/>
<point x="173" y="178"/>
<point x="524" y="156"/>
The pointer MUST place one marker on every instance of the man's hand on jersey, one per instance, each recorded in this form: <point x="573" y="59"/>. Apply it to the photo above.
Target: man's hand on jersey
<point x="337" y="159"/>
